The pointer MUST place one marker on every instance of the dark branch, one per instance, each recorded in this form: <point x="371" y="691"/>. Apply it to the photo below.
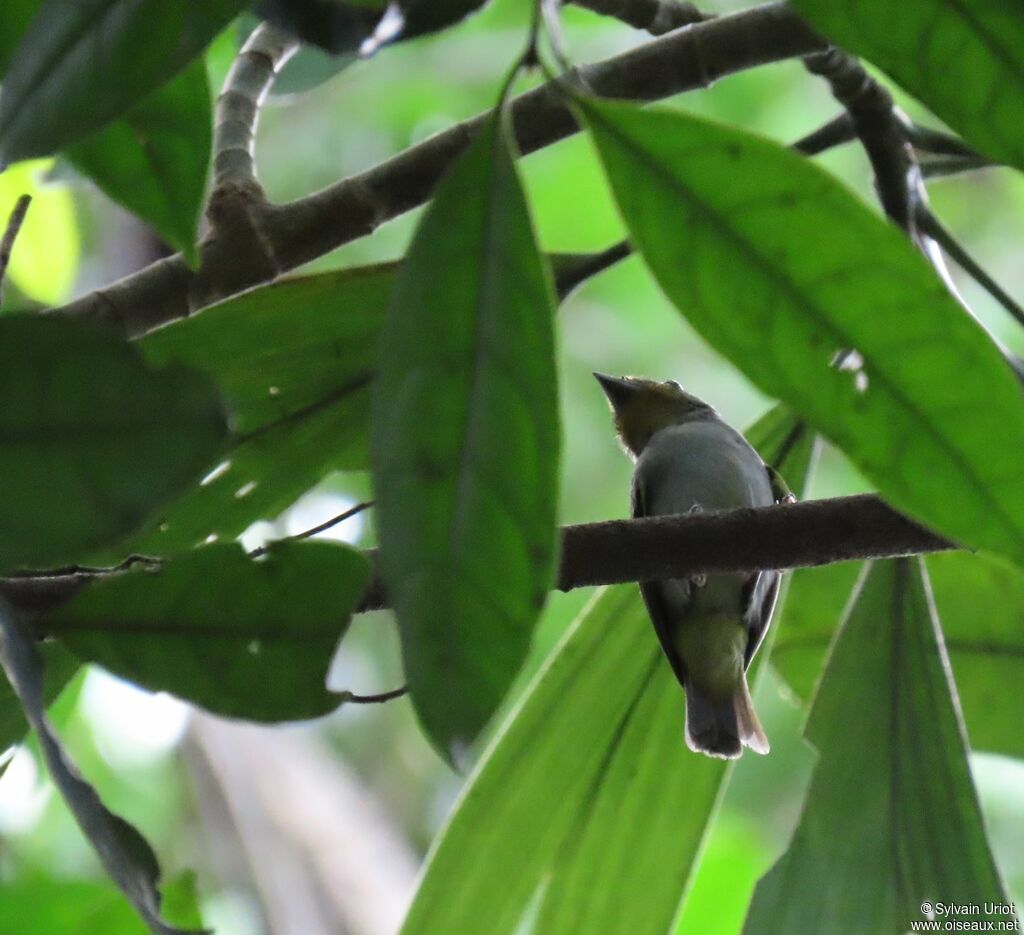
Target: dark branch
<point x="14" y="222"/>
<point x="684" y="60"/>
<point x="798" y="535"/>
<point x="654" y="16"/>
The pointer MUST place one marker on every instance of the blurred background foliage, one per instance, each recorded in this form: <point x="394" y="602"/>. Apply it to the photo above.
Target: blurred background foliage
<point x="140" y="751"/>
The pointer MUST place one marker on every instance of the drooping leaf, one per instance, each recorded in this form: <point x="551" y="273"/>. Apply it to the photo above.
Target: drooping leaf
<point x="242" y="638"/>
<point x="891" y="819"/>
<point x="59" y="667"/>
<point x="964" y="60"/>
<point x="79" y="65"/>
<point x="587" y="808"/>
<point x="295" y="360"/>
<point x="154" y="159"/>
<point x="92" y="439"/>
<point x="465" y="444"/>
<point x="125" y="854"/>
<point x="725" y="220"/>
<point x="981" y="602"/>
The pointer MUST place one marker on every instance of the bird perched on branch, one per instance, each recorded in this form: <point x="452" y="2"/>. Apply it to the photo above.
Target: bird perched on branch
<point x="688" y="460"/>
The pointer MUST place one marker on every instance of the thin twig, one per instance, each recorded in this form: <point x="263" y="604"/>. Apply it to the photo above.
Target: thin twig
<point x="315" y="530"/>
<point x="14" y="222"/>
<point x="836" y="132"/>
<point x="381" y="698"/>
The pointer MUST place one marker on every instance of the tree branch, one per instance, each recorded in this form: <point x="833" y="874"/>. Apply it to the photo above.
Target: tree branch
<point x="303" y="230"/>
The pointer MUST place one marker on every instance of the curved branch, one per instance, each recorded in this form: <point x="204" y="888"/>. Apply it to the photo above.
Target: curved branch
<point x="303" y="230"/>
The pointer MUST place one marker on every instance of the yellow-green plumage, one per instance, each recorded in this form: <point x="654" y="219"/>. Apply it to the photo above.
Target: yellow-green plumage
<point x="688" y="459"/>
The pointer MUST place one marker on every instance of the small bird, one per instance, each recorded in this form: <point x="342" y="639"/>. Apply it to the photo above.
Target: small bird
<point x="688" y="460"/>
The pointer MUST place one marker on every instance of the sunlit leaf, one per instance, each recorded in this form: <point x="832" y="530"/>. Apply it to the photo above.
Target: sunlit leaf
<point x="44" y="262"/>
<point x="79" y="65"/>
<point x="891" y="819"/>
<point x="154" y="159"/>
<point x="242" y="638"/>
<point x="92" y="439"/>
<point x="964" y="60"/>
<point x="981" y="602"/>
<point x="731" y="225"/>
<point x="71" y="907"/>
<point x="465" y="444"/>
<point x="125" y="854"/>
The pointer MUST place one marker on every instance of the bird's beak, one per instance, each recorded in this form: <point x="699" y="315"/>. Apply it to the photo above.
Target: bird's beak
<point x="617" y="389"/>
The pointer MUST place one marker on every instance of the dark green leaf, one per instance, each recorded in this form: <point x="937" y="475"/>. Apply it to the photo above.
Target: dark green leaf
<point x="965" y="60"/>
<point x="92" y="439"/>
<point x="981" y="601"/>
<point x="587" y="793"/>
<point x="725" y="220"/>
<point x="17" y="15"/>
<point x="295" y="361"/>
<point x="154" y="159"/>
<point x="891" y="818"/>
<point x="465" y="444"/>
<point x="242" y="638"/>
<point x="80" y="65"/>
<point x="125" y="854"/>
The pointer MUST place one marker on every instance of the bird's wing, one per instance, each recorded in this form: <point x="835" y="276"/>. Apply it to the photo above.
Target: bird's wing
<point x="653" y="596"/>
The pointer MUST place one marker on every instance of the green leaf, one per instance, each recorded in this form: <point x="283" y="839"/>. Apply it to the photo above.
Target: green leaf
<point x="964" y="60"/>
<point x="70" y="907"/>
<point x="725" y="220"/>
<point x="893" y="758"/>
<point x="124" y="853"/>
<point x="465" y="444"/>
<point x="154" y="159"/>
<point x="241" y="638"/>
<point x="17" y="15"/>
<point x="981" y="601"/>
<point x="295" y="360"/>
<point x="60" y="667"/>
<point x="92" y="439"/>
<point x="80" y="65"/>
<point x="587" y="797"/>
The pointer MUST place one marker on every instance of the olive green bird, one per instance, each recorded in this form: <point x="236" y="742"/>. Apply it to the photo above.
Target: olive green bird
<point x="688" y="460"/>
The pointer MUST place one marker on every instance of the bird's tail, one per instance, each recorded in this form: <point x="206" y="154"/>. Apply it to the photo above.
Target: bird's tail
<point x="723" y="728"/>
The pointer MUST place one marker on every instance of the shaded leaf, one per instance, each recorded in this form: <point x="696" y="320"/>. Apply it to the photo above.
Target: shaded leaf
<point x="17" y="15"/>
<point x="294" y="360"/>
<point x="465" y="444"/>
<point x="79" y="65"/>
<point x="724" y="220"/>
<point x="981" y="601"/>
<point x="154" y="159"/>
<point x="242" y="638"/>
<point x="125" y="854"/>
<point x="339" y="27"/>
<point x="587" y="805"/>
<point x="891" y="818"/>
<point x="92" y="439"/>
<point x="964" y="60"/>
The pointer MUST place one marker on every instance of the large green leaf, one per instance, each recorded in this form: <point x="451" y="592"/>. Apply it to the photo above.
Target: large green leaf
<point x="891" y="819"/>
<point x="465" y="444"/>
<point x="963" y="58"/>
<point x="154" y="159"/>
<point x="981" y="602"/>
<point x="79" y="65"/>
<point x="587" y="797"/>
<point x="294" y="360"/>
<point x="242" y="638"/>
<point x="17" y="15"/>
<point x="92" y="439"/>
<point x="732" y="227"/>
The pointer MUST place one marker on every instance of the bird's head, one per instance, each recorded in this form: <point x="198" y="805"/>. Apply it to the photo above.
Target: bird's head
<point x="642" y="407"/>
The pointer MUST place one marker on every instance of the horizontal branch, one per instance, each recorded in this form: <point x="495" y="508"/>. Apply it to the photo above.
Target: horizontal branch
<point x="789" y="535"/>
<point x="684" y="60"/>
